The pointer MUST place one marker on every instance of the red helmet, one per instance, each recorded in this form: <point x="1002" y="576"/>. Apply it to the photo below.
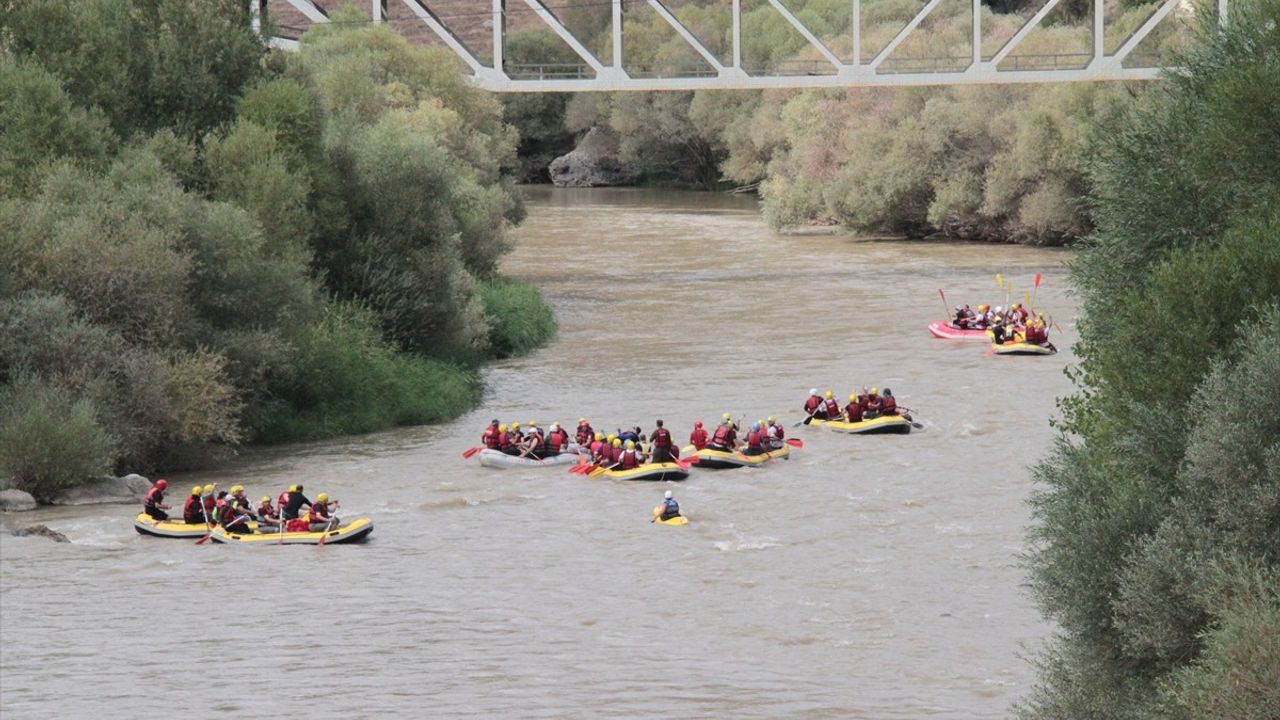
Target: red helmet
<point x="697" y="423"/>
<point x="162" y="483"/>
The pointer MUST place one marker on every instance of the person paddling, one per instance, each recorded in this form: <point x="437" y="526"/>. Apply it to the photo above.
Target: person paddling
<point x="754" y="441"/>
<point x="873" y="406"/>
<point x="210" y="502"/>
<point x="889" y="404"/>
<point x="292" y="505"/>
<point x="774" y="434"/>
<point x="698" y="438"/>
<point x="153" y="503"/>
<point x="557" y="440"/>
<point x="669" y="508"/>
<point x="813" y="403"/>
<point x="267" y="515"/>
<point x="193" y="508"/>
<point x="725" y="437"/>
<point x="234" y="518"/>
<point x="660" y="438"/>
<point x="630" y="458"/>
<point x="853" y="411"/>
<point x="585" y="433"/>
<point x="491" y="438"/>
<point x="321" y="514"/>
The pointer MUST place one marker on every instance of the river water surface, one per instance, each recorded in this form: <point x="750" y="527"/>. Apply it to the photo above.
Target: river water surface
<point x="866" y="577"/>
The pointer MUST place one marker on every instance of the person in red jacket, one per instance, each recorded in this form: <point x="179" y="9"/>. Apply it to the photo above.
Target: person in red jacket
<point x="268" y="517"/>
<point x="193" y="508"/>
<point x="557" y="441"/>
<point x="725" y="437"/>
<point x="754" y="441"/>
<point x="698" y="438"/>
<point x="599" y="449"/>
<point x="153" y="503"/>
<point x="874" y="405"/>
<point x="660" y="438"/>
<point x="889" y="404"/>
<point x="509" y="439"/>
<point x="630" y="457"/>
<point x="615" y="451"/>
<point x="585" y="433"/>
<point x="830" y="408"/>
<point x="490" y="438"/>
<point x="210" y="503"/>
<point x="234" y="518"/>
<point x="321" y="514"/>
<point x="534" y="442"/>
<point x="853" y="411"/>
<point x="813" y="403"/>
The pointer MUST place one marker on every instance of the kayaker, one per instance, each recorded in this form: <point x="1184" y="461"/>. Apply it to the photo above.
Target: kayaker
<point x="874" y="405"/>
<point x="813" y="403"/>
<point x="585" y="433"/>
<point x="853" y="411"/>
<point x="773" y="433"/>
<point x="661" y="440"/>
<point x="321" y="515"/>
<point x="753" y="441"/>
<point x="267" y="515"/>
<point x="233" y="518"/>
<point x="193" y="508"/>
<point x="491" y="438"/>
<point x="630" y="458"/>
<point x="889" y="404"/>
<point x="153" y="503"/>
<point x="698" y="438"/>
<point x="669" y="507"/>
<point x="725" y="437"/>
<point x="292" y="506"/>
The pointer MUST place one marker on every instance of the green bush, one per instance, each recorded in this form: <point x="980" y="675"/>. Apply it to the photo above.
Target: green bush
<point x="519" y="319"/>
<point x="49" y="439"/>
<point x="347" y="379"/>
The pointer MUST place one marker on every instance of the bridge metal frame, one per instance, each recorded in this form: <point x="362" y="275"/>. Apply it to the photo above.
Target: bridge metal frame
<point x="595" y="75"/>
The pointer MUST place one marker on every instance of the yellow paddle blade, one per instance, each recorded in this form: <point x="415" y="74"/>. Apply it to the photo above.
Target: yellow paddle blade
<point x="1000" y="280"/>
<point x="595" y="472"/>
<point x="1026" y="300"/>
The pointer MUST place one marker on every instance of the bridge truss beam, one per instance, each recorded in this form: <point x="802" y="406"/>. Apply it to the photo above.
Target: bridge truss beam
<point x="595" y="75"/>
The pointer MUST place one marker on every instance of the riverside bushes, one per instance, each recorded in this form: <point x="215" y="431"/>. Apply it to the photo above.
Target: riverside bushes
<point x="1157" y="537"/>
<point x="206" y="244"/>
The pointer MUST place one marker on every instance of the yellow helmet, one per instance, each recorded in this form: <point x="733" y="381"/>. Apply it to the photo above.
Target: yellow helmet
<point x="195" y="490"/>
<point x="323" y="497"/>
<point x="1016" y="306"/>
<point x="853" y="396"/>
<point x="265" y="499"/>
<point x="617" y="442"/>
<point x="293" y="488"/>
<point x="237" y="489"/>
<point x="875" y="391"/>
<point x="726" y="416"/>
<point x="502" y="428"/>
<point x="533" y="423"/>
<point x="612" y="437"/>
<point x="828" y="395"/>
<point x="208" y="489"/>
<point x="761" y="423"/>
<point x="631" y="444"/>
<point x="772" y="419"/>
<point x="599" y="436"/>
<point x="515" y="426"/>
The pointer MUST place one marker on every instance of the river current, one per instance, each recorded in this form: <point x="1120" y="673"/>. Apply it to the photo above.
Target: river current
<point x="866" y="577"/>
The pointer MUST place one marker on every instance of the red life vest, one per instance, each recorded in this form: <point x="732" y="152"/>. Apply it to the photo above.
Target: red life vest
<point x="319" y="512"/>
<point x="811" y="405"/>
<point x="283" y="499"/>
<point x="191" y="508"/>
<point x="629" y="459"/>
<point x="699" y="438"/>
<point x="753" y="439"/>
<point x="266" y="511"/>
<point x="833" y="408"/>
<point x="855" y="412"/>
<point x="890" y="406"/>
<point x="874" y="403"/>
<point x="723" y="436"/>
<point x="490" y="437"/>
<point x="297" y="525"/>
<point x="211" y="507"/>
<point x="585" y="433"/>
<point x="779" y="434"/>
<point x="661" y="438"/>
<point x="615" y="454"/>
<point x="154" y="497"/>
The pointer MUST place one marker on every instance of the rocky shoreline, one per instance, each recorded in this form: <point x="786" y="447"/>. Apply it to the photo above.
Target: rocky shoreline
<point x="99" y="491"/>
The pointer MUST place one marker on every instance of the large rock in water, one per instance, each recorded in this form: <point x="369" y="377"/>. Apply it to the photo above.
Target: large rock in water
<point x="42" y="531"/>
<point x="16" y="501"/>
<point x="593" y="163"/>
<point x="127" y="489"/>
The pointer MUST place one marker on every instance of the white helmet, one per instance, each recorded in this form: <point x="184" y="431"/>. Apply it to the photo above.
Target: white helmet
<point x="667" y="495"/>
<point x="813" y="392"/>
<point x="999" y="309"/>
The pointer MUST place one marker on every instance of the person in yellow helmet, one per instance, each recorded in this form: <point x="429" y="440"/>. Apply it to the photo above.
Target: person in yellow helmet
<point x="210" y="500"/>
<point x="830" y="407"/>
<point x="268" y="516"/>
<point x="193" y="508"/>
<point x="615" y="450"/>
<point x="1000" y="332"/>
<point x="512" y="441"/>
<point x="873" y="406"/>
<point x="232" y="516"/>
<point x="853" y="411"/>
<point x="321" y="515"/>
<point x="773" y="433"/>
<point x="631" y="457"/>
<point x="291" y="508"/>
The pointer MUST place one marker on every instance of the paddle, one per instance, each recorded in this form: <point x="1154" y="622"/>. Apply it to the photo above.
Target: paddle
<point x="466" y="454"/>
<point x="1037" y="287"/>
<point x="946" y="309"/>
<point x="794" y="442"/>
<point x="208" y="526"/>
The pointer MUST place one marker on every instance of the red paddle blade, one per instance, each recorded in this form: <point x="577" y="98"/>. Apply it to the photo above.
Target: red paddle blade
<point x="1037" y="279"/>
<point x="692" y="460"/>
<point x="468" y="453"/>
<point x="204" y="539"/>
<point x="795" y="442"/>
<point x="941" y="295"/>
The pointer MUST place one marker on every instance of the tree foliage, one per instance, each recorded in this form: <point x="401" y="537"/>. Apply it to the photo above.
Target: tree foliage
<point x="1158" y="515"/>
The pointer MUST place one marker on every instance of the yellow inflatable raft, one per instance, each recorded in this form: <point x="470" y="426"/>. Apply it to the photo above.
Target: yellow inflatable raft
<point x="147" y="525"/>
<point x="721" y="460"/>
<point x="651" y="471"/>
<point x="353" y="532"/>
<point x="1022" y="348"/>
<point x="882" y="424"/>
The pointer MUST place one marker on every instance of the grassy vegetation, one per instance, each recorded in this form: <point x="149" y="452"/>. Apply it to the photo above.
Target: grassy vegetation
<point x="521" y="321"/>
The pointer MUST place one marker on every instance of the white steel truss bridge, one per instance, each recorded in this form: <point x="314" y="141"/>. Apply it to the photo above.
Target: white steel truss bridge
<point x="982" y="64"/>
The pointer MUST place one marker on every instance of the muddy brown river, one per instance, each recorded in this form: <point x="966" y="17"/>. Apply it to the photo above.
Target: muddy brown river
<point x="866" y="577"/>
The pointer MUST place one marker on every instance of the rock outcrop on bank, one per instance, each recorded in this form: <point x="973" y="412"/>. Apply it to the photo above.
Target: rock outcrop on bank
<point x="41" y="531"/>
<point x="593" y="163"/>
<point x="127" y="489"/>
<point x="16" y="501"/>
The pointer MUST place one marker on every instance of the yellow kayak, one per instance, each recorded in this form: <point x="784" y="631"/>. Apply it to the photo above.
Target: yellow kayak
<point x="882" y="424"/>
<point x="1022" y="348"/>
<point x="353" y="532"/>
<point x="147" y="525"/>
<point x="721" y="460"/>
<point x="651" y="471"/>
